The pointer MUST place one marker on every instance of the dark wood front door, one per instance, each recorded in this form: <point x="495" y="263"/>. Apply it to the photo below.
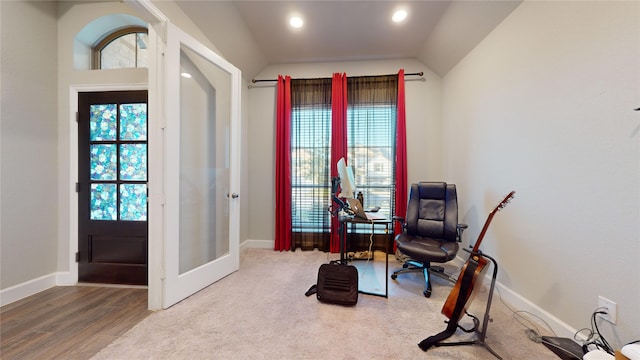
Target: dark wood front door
<point x="112" y="187"/>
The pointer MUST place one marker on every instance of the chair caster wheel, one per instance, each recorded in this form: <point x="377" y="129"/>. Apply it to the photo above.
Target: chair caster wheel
<point x="427" y="293"/>
<point x="394" y="276"/>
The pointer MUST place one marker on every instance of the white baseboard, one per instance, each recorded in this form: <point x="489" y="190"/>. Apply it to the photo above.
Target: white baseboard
<point x="257" y="244"/>
<point x="518" y="302"/>
<point x="31" y="287"/>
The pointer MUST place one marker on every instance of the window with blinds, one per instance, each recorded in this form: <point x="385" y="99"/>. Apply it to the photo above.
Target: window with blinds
<point x="371" y="143"/>
<point x="310" y="173"/>
<point x="371" y="125"/>
<point x="371" y="139"/>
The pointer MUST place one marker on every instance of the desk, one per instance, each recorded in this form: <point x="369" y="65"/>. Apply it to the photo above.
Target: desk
<point x="367" y="274"/>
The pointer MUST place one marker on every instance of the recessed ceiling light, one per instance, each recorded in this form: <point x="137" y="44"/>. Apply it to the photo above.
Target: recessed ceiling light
<point x="296" y="22"/>
<point x="185" y="75"/>
<point x="399" y="16"/>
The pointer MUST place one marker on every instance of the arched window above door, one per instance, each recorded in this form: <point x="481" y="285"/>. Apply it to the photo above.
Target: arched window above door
<point x="117" y="33"/>
<point x="123" y="48"/>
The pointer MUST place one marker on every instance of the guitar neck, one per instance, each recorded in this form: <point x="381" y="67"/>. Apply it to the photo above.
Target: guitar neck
<point x="482" y="233"/>
<point x="499" y="207"/>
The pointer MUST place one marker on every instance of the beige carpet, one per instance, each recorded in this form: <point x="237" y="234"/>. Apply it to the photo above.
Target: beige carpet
<point x="260" y="312"/>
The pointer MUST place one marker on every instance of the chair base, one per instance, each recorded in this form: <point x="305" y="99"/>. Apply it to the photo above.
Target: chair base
<point x="427" y="269"/>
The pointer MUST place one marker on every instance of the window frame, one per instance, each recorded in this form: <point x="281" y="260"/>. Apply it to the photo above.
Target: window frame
<point x="324" y="227"/>
<point x="296" y="187"/>
<point x="355" y="152"/>
<point x="96" y="50"/>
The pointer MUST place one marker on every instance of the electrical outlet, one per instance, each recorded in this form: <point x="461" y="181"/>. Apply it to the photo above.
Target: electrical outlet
<point x="610" y="307"/>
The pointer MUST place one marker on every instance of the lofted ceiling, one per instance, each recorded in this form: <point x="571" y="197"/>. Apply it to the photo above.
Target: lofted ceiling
<point x="254" y="34"/>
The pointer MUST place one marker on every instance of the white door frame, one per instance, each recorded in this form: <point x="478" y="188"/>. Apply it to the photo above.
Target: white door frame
<point x="71" y="278"/>
<point x="154" y="87"/>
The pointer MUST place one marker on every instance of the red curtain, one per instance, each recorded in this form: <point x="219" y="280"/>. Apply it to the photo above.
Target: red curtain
<point x="338" y="140"/>
<point x="283" y="164"/>
<point x="401" y="155"/>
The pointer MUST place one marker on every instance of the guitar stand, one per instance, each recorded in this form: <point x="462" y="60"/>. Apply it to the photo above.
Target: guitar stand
<point x="482" y="334"/>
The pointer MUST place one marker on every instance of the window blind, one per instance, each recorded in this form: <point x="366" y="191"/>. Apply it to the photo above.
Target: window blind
<point x="310" y="175"/>
<point x="371" y="124"/>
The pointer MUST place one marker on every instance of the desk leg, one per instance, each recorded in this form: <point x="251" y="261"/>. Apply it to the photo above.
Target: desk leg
<point x="386" y="262"/>
<point x="343" y="245"/>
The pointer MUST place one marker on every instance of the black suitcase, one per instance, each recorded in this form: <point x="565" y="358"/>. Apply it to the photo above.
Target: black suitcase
<point x="337" y="284"/>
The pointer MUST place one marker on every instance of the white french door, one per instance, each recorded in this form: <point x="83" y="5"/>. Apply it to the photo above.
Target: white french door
<point x="202" y="162"/>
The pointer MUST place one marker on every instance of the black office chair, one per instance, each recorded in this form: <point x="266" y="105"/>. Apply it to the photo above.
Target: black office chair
<point x="431" y="232"/>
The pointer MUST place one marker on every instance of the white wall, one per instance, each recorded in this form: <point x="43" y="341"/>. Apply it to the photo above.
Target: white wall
<point x="423" y="135"/>
<point x="29" y="144"/>
<point x="544" y="106"/>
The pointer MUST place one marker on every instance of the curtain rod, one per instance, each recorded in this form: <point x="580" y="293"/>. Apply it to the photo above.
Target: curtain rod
<point x="266" y="80"/>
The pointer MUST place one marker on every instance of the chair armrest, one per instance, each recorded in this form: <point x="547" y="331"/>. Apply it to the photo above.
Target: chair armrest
<point x="460" y="228"/>
<point x="400" y="219"/>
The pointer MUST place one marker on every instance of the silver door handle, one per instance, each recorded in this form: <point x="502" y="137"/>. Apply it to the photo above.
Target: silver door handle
<point x="234" y="195"/>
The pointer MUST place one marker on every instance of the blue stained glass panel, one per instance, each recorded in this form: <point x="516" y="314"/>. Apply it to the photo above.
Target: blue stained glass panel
<point x="102" y="122"/>
<point x="103" y="161"/>
<point x="133" y="162"/>
<point x="133" y="202"/>
<point x="103" y="202"/>
<point x="133" y="121"/>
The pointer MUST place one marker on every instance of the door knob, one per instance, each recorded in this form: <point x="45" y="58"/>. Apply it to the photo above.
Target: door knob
<point x="234" y="195"/>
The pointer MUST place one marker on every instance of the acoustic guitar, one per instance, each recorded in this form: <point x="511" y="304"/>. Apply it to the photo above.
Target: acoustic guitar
<point x="459" y="296"/>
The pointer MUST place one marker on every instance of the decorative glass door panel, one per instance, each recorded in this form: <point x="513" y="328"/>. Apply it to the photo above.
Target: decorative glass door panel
<point x="118" y="161"/>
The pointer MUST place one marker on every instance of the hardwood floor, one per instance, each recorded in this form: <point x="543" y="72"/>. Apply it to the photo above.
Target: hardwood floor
<point x="69" y="322"/>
